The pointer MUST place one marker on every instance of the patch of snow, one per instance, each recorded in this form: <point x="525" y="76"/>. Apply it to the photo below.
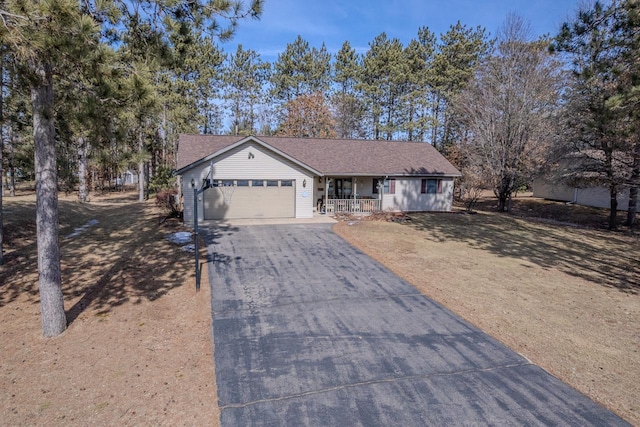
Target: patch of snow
<point x="180" y="237"/>
<point x="189" y="248"/>
<point x="79" y="230"/>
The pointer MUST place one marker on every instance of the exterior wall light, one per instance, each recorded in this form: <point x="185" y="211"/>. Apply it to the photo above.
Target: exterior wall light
<point x="193" y="183"/>
<point x="304" y="183"/>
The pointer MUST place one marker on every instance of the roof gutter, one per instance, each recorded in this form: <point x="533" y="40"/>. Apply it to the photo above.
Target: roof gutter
<point x="435" y="174"/>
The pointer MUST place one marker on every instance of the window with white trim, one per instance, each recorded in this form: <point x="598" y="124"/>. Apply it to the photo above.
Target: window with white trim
<point x="389" y="185"/>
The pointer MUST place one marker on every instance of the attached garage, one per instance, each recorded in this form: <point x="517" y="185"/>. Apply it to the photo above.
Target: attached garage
<point x="247" y="179"/>
<point x="250" y="198"/>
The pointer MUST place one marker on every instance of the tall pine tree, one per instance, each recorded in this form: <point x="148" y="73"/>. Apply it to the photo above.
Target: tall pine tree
<point x="459" y="51"/>
<point x="384" y="74"/>
<point x="349" y="108"/>
<point x="595" y="149"/>
<point x="49" y="38"/>
<point x="244" y="78"/>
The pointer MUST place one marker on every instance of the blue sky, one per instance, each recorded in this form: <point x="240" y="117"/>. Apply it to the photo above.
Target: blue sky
<point x="359" y="21"/>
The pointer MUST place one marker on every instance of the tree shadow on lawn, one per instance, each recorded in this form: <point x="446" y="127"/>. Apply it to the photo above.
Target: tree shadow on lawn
<point x="124" y="258"/>
<point x="605" y="258"/>
<point x="129" y="258"/>
<point x="18" y="274"/>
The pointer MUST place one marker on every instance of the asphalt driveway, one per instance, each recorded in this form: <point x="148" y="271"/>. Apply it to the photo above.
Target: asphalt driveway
<point x="310" y="331"/>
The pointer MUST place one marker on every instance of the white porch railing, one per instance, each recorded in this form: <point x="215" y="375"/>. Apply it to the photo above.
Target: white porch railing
<point x="353" y="205"/>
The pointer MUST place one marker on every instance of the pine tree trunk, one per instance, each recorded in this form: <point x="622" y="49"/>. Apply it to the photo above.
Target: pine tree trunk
<point x="445" y="132"/>
<point x="140" y="167"/>
<point x="436" y="118"/>
<point x="163" y="136"/>
<point x="82" y="170"/>
<point x="633" y="207"/>
<point x="1" y="151"/>
<point x="141" y="180"/>
<point x="12" y="169"/>
<point x="635" y="183"/>
<point x="1" y="190"/>
<point x="1" y="194"/>
<point x="12" y="180"/>
<point x="54" y="321"/>
<point x="613" y="212"/>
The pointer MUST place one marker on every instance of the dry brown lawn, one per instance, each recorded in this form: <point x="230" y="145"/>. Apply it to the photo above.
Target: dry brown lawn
<point x="138" y="349"/>
<point x="567" y="298"/>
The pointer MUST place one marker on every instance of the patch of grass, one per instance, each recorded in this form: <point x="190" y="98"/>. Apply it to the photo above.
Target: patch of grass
<point x="604" y="258"/>
<point x="118" y="249"/>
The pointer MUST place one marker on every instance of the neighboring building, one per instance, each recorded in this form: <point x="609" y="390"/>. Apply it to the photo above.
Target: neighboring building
<point x="598" y="197"/>
<point x="268" y="177"/>
<point x="129" y="177"/>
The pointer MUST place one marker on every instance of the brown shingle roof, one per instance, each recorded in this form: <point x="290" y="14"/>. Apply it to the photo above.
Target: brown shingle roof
<point x="333" y="156"/>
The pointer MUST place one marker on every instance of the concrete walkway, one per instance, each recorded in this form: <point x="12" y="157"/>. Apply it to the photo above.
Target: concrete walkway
<point x="309" y="331"/>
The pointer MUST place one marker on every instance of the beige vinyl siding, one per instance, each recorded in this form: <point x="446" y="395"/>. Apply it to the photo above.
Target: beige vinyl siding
<point x="547" y="190"/>
<point x="408" y="197"/>
<point x="250" y="161"/>
<point x="597" y="197"/>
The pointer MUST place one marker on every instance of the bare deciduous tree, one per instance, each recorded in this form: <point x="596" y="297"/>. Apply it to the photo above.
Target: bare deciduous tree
<point x="308" y="116"/>
<point x="507" y="110"/>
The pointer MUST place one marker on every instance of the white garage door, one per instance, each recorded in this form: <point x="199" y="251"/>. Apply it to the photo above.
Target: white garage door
<point x="250" y="198"/>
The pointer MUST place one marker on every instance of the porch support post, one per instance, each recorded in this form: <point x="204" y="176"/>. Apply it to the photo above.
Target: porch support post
<point x="326" y="194"/>
<point x="355" y="187"/>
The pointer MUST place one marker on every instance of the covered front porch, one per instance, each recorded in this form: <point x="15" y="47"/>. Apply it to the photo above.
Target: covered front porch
<point x="348" y="194"/>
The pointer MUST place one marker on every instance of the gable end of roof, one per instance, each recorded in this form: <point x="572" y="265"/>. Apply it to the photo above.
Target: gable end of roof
<point x="239" y="143"/>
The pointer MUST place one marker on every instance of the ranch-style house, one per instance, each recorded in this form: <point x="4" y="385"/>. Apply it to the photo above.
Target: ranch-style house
<point x="277" y="177"/>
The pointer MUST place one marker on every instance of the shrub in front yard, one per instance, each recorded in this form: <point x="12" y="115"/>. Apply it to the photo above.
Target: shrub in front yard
<point x="168" y="201"/>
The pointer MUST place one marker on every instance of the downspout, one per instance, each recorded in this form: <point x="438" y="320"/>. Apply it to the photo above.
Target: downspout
<point x="575" y="195"/>
<point x="179" y="196"/>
